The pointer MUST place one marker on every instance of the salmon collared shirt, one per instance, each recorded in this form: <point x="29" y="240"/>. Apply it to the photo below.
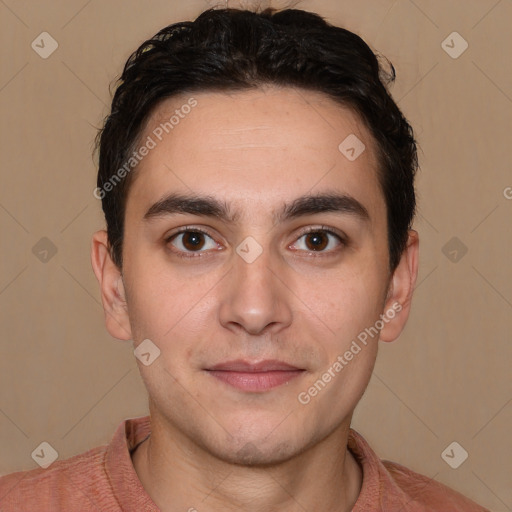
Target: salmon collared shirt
<point x="104" y="479"/>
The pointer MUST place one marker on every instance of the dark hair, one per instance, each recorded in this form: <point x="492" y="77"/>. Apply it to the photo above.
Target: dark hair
<point x="232" y="49"/>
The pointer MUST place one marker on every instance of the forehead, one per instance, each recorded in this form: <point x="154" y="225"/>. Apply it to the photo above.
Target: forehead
<point x="264" y="145"/>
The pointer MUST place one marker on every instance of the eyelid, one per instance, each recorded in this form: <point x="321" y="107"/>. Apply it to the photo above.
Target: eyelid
<point x="184" y="229"/>
<point x="327" y="229"/>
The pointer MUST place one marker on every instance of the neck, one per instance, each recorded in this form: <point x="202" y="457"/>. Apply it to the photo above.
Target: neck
<point x="179" y="475"/>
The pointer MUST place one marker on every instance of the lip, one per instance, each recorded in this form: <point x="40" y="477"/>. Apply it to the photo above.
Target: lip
<point x="240" y="365"/>
<point x="254" y="377"/>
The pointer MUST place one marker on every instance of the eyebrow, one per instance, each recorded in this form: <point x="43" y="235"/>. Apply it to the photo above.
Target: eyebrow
<point x="208" y="206"/>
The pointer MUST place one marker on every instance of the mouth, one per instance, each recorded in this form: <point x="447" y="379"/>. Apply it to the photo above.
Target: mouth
<point x="255" y="377"/>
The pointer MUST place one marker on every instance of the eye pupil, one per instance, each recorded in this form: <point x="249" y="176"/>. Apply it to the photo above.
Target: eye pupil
<point x="194" y="238"/>
<point x="317" y="242"/>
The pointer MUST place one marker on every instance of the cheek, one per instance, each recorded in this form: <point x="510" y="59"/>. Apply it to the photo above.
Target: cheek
<point x="162" y="301"/>
<point x="344" y="302"/>
<point x="350" y="308"/>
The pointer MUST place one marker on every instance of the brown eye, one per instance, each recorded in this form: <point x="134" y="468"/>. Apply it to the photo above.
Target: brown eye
<point x="317" y="241"/>
<point x="191" y="241"/>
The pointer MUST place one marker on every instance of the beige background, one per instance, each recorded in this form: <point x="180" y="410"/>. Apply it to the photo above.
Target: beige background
<point x="64" y="380"/>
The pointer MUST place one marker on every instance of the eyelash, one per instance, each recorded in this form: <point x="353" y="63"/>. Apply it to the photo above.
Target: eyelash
<point x="321" y="229"/>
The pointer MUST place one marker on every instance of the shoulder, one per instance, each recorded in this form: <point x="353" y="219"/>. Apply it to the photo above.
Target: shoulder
<point x="426" y="493"/>
<point x="70" y="484"/>
<point x="387" y="485"/>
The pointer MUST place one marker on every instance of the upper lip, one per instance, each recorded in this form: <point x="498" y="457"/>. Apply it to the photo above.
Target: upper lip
<point x="239" y="365"/>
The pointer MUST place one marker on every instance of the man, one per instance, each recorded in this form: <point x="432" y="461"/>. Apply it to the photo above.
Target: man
<point x="257" y="181"/>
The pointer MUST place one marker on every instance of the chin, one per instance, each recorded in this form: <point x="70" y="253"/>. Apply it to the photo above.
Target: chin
<point x="254" y="454"/>
<point x="259" y="443"/>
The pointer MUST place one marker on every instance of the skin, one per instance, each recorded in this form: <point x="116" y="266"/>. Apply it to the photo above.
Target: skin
<point x="214" y="447"/>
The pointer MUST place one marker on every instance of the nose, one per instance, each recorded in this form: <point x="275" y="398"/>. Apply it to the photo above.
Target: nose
<point x="255" y="296"/>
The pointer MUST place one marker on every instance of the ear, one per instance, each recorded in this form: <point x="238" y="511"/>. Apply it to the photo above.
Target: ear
<point x="401" y="287"/>
<point x="112" y="288"/>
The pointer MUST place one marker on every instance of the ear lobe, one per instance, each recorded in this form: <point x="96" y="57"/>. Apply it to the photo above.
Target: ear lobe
<point x="112" y="288"/>
<point x="401" y="288"/>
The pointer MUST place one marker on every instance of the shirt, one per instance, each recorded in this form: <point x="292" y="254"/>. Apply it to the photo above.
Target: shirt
<point x="104" y="479"/>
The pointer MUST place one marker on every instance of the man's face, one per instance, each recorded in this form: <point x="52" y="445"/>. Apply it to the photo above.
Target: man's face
<point x="254" y="289"/>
